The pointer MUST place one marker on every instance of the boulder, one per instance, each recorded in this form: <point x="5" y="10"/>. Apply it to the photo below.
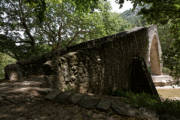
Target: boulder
<point x="124" y="109"/>
<point x="89" y="102"/>
<point x="52" y="95"/>
<point x="63" y="97"/>
<point x="75" y="98"/>
<point x="104" y="104"/>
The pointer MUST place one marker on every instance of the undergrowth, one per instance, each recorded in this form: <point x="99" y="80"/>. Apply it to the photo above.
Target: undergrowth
<point x="170" y="107"/>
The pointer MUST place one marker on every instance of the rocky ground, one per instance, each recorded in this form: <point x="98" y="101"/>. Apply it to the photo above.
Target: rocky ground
<point x="28" y="100"/>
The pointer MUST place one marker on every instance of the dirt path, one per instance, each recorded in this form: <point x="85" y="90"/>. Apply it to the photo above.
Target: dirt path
<point x="25" y="100"/>
<point x="169" y="93"/>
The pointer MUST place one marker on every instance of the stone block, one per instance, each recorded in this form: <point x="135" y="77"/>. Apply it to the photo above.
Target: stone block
<point x="75" y="98"/>
<point x="124" y="109"/>
<point x="89" y="102"/>
<point x="104" y="104"/>
<point x="52" y="95"/>
<point x="63" y="97"/>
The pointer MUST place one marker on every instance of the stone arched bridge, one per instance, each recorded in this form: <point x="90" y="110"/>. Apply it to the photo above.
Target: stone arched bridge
<point x="122" y="61"/>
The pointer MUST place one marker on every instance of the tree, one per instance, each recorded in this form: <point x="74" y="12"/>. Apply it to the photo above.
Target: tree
<point x="132" y="17"/>
<point x="165" y="9"/>
<point x="170" y="41"/>
<point x="106" y="22"/>
<point x="160" y="11"/>
<point x="17" y="22"/>
<point x="23" y="35"/>
<point x="64" y="26"/>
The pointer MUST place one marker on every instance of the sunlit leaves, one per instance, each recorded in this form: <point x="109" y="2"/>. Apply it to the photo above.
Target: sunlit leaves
<point x="4" y="60"/>
<point x="62" y="25"/>
<point x="39" y="7"/>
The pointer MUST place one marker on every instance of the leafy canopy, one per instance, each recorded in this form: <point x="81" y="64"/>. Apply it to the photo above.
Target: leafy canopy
<point x="22" y="35"/>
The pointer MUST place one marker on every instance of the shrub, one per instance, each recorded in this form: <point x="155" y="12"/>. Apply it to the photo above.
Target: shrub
<point x="171" y="107"/>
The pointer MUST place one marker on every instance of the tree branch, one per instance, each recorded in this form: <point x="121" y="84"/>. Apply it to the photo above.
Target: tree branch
<point x="50" y="36"/>
<point x="23" y="21"/>
<point x="74" y="37"/>
<point x="59" y="35"/>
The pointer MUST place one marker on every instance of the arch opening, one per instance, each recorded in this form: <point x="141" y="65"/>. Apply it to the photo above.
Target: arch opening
<point x="155" y="57"/>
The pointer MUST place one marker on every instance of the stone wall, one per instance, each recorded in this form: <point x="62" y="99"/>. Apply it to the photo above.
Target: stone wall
<point x="100" y="66"/>
<point x="114" y="105"/>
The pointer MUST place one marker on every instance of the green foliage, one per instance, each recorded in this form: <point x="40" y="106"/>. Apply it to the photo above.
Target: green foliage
<point x="22" y="35"/>
<point x="84" y="5"/>
<point x="166" y="70"/>
<point x="5" y="60"/>
<point x="133" y="18"/>
<point x="106" y="23"/>
<point x="170" y="107"/>
<point x="138" y="99"/>
<point x="39" y="7"/>
<point x="18" y="23"/>
<point x="159" y="11"/>
<point x="167" y="15"/>
<point x="170" y="41"/>
<point x="64" y="25"/>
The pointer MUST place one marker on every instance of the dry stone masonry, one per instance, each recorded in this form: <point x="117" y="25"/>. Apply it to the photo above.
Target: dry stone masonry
<point x="116" y="105"/>
<point x="118" y="62"/>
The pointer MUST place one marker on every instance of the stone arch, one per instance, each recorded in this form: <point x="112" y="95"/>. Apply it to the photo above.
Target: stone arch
<point x="155" y="57"/>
